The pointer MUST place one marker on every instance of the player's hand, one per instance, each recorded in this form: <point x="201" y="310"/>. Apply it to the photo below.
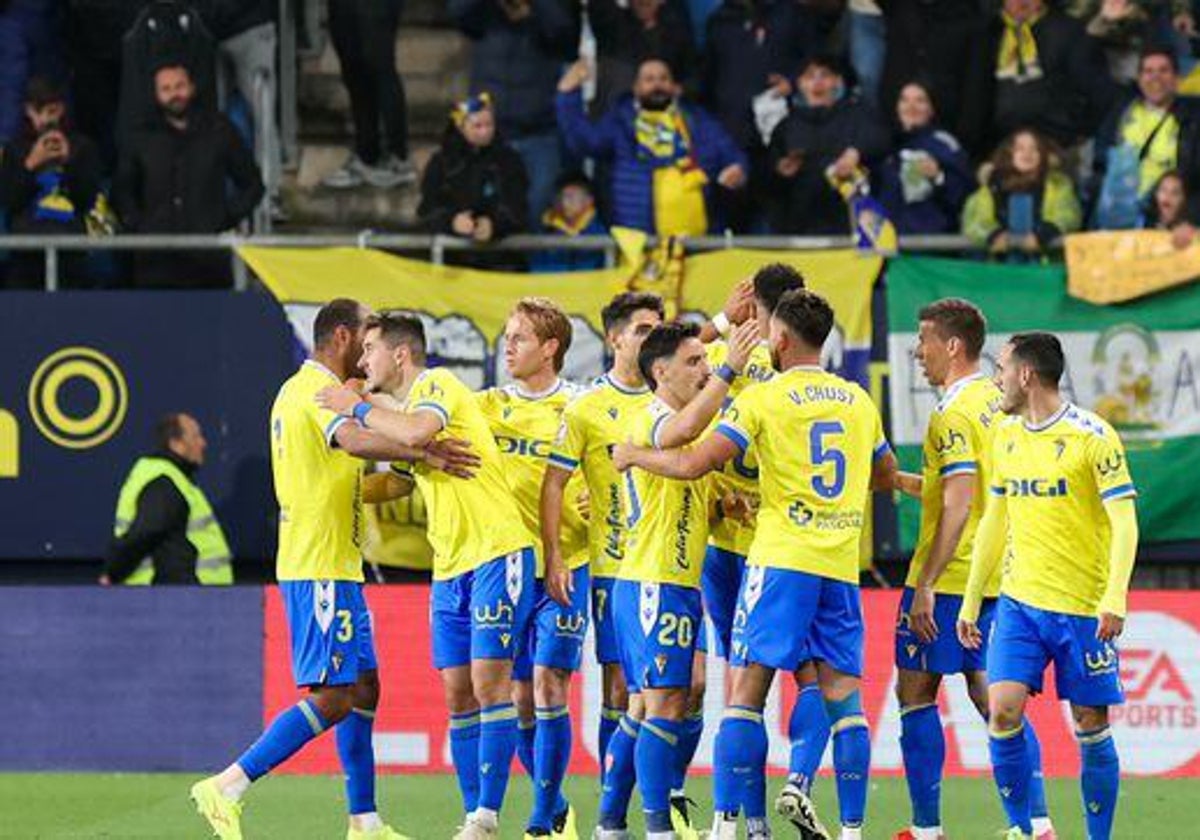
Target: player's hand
<point x="452" y="456"/>
<point x="969" y="635"/>
<point x="742" y="342"/>
<point x="559" y="584"/>
<point x="358" y="386"/>
<point x="739" y="306"/>
<point x="623" y="455"/>
<point x="1110" y="627"/>
<point x="739" y="507"/>
<point x="583" y="505"/>
<point x="920" y="614"/>
<point x="339" y="398"/>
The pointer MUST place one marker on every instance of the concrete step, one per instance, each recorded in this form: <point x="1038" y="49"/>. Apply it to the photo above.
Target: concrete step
<point x="312" y="206"/>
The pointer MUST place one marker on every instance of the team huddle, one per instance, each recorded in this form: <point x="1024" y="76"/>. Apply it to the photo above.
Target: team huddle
<point x="710" y="489"/>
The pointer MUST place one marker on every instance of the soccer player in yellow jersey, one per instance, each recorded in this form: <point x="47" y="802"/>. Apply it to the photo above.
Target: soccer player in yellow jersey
<point x="524" y="417"/>
<point x="483" y="563"/>
<point x="591" y="426"/>
<point x="1061" y="514"/>
<point x="319" y="567"/>
<point x="656" y="599"/>
<point x="956" y="467"/>
<point x="820" y="450"/>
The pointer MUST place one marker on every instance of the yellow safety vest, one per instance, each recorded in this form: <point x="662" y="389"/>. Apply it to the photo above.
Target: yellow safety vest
<point x="203" y="530"/>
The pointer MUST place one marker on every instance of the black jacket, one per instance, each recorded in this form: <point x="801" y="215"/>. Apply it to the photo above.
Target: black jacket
<point x="807" y="204"/>
<point x="172" y="181"/>
<point x="488" y="182"/>
<point x="744" y="47"/>
<point x="622" y="43"/>
<point x="519" y="63"/>
<point x="159" y="531"/>
<point x="1070" y="99"/>
<point x="21" y="191"/>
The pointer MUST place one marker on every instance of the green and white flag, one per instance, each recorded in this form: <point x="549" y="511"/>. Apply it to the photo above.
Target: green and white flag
<point x="1135" y="364"/>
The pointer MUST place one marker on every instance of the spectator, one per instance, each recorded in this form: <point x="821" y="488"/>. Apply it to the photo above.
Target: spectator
<point x="475" y="184"/>
<point x="94" y="32"/>
<point x="1124" y="27"/>
<point x="940" y="41"/>
<point x="519" y="49"/>
<point x="573" y="214"/>
<point x="1151" y="131"/>
<point x="49" y="180"/>
<point x="666" y="155"/>
<point x="165" y="531"/>
<point x="1168" y="210"/>
<point x="752" y="47"/>
<point x="172" y="179"/>
<point x="1025" y="200"/>
<point x="626" y="36"/>
<point x="364" y="37"/>
<point x="925" y="180"/>
<point x="1048" y="75"/>
<point x="829" y="139"/>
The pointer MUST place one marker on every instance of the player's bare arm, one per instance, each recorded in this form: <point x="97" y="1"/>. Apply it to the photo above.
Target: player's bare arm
<point x="910" y="484"/>
<point x="885" y="472"/>
<point x="687" y="424"/>
<point x="683" y="463"/>
<point x="958" y="491"/>
<point x="559" y="585"/>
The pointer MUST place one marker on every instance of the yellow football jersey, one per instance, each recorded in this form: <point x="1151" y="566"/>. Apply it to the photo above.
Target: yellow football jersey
<point x="471" y="520"/>
<point x="817" y="437"/>
<point x="957" y="442"/>
<point x="1055" y="479"/>
<point x="525" y="426"/>
<point x="318" y="487"/>
<point x="592" y="425"/>
<point x="667" y="518"/>
<point x="741" y="474"/>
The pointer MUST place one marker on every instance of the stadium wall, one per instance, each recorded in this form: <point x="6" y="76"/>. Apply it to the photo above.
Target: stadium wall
<point x="182" y="679"/>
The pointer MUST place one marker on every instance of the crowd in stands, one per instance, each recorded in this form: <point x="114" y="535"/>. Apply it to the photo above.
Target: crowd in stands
<point x="1012" y="122"/>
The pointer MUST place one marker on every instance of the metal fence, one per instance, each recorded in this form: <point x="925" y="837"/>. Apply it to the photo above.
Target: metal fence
<point x="436" y="245"/>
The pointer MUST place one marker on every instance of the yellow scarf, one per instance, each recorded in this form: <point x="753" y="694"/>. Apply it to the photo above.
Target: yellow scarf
<point x="554" y="219"/>
<point x="1018" y="56"/>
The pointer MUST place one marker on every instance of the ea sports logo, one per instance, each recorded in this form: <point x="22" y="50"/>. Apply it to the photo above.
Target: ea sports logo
<point x="1158" y="728"/>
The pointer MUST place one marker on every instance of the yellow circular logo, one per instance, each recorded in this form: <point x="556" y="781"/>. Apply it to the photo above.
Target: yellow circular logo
<point x="101" y="422"/>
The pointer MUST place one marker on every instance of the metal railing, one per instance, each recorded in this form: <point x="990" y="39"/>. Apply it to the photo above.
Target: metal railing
<point x="436" y="245"/>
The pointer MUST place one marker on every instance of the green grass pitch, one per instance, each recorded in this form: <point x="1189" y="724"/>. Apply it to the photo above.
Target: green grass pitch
<point x="96" y="805"/>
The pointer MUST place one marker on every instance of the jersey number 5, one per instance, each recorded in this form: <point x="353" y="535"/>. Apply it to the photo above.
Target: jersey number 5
<point x="823" y="454"/>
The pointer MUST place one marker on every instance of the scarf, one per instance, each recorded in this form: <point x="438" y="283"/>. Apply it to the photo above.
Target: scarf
<point x="1018" y="57"/>
<point x="557" y="221"/>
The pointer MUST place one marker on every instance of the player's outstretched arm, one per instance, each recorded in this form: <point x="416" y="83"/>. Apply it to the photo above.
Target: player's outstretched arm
<point x="957" y="493"/>
<point x="985" y="556"/>
<point x="684" y="463"/>
<point x="449" y="455"/>
<point x="687" y="424"/>
<point x="910" y="484"/>
<point x="558" y="578"/>
<point x="1122" y="552"/>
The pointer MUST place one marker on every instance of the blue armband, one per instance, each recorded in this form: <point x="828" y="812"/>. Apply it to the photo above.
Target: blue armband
<point x="361" y="411"/>
<point x="727" y="373"/>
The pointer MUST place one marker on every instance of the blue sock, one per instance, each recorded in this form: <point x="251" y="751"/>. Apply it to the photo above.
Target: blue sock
<point x="497" y="743"/>
<point x="1012" y="771"/>
<point x="851" y="756"/>
<point x="740" y="758"/>
<point x="292" y="729"/>
<point x="619" y="775"/>
<point x="923" y="744"/>
<point x="808" y="730"/>
<point x="656" y="758"/>
<point x="464" y="749"/>
<point x="357" y="755"/>
<point x="551" y="753"/>
<point x="1037" y="784"/>
<point x="689" y="741"/>
<point x="526" y="732"/>
<point x="1100" y="780"/>
<point x="610" y="719"/>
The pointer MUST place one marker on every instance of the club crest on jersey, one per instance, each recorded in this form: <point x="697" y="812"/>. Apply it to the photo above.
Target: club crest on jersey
<point x="1060" y="446"/>
<point x="507" y="412"/>
<point x="648" y="606"/>
<point x="613" y="412"/>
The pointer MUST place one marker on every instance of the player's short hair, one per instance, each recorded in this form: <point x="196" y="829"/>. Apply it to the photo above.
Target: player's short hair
<point x="1043" y="352"/>
<point x="168" y="429"/>
<point x="661" y="343"/>
<point x="807" y="315"/>
<point x="549" y="321"/>
<point x="957" y="318"/>
<point x="772" y="280"/>
<point x="339" y="312"/>
<point x="396" y="328"/>
<point x="619" y="311"/>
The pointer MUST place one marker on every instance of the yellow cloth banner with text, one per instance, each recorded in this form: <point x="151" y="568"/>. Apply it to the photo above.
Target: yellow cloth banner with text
<point x="1116" y="266"/>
